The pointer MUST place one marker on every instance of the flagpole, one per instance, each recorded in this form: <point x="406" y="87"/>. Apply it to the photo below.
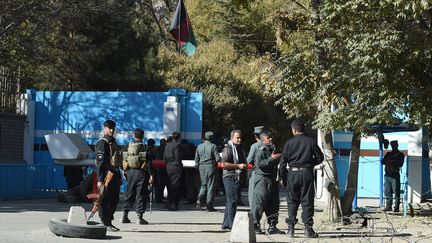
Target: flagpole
<point x="180" y="4"/>
<point x="179" y="21"/>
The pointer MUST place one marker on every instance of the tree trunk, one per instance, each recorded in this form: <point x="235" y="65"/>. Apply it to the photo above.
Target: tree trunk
<point x="333" y="208"/>
<point x="352" y="180"/>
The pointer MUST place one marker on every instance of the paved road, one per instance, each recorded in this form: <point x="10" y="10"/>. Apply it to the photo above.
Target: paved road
<point x="27" y="221"/>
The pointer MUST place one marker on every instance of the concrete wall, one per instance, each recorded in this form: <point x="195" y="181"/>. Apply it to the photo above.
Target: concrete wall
<point x="84" y="113"/>
<point x="11" y="138"/>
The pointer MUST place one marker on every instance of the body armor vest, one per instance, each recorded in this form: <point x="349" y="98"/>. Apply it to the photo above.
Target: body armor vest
<point x="115" y="156"/>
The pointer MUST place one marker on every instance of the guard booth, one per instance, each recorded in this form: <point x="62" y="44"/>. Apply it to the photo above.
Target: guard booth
<point x="83" y="113"/>
<point x="415" y="173"/>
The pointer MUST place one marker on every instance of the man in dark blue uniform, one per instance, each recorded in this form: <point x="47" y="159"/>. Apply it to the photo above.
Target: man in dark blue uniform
<point x="299" y="156"/>
<point x="108" y="162"/>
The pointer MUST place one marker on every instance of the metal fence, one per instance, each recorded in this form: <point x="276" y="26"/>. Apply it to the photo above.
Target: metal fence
<point x="9" y="89"/>
<point x="30" y="181"/>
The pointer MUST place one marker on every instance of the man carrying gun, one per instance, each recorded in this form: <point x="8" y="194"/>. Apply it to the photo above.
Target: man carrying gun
<point x="109" y="180"/>
<point x="136" y="166"/>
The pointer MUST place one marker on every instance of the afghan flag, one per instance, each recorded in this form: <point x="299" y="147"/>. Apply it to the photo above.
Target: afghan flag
<point x="181" y="30"/>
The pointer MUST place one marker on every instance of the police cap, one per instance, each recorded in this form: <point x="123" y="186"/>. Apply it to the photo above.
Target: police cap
<point x="208" y="135"/>
<point x="258" y="129"/>
<point x="109" y="124"/>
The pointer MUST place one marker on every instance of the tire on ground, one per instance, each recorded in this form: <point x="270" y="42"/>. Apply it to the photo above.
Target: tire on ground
<point x="92" y="230"/>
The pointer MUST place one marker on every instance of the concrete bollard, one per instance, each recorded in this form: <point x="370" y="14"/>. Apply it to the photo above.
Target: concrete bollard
<point x="243" y="228"/>
<point x="77" y="216"/>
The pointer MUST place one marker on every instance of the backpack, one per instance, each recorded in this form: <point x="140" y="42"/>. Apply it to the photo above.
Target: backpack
<point x="136" y="157"/>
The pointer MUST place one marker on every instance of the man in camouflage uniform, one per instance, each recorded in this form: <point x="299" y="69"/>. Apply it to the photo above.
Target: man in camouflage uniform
<point x="108" y="162"/>
<point x="206" y="158"/>
<point x="266" y="189"/>
<point x="393" y="161"/>
<point x="136" y="165"/>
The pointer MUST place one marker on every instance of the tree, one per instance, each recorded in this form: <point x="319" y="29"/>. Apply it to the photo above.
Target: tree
<point x="350" y="70"/>
<point x="231" y="73"/>
<point x="98" y="45"/>
<point x="232" y="86"/>
<point x="80" y="45"/>
<point x="20" y="23"/>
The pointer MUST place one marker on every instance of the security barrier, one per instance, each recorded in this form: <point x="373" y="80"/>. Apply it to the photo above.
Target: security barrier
<point x="30" y="181"/>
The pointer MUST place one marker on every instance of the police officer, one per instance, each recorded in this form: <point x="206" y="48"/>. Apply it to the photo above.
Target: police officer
<point x="393" y="161"/>
<point x="137" y="165"/>
<point x="174" y="166"/>
<point x="266" y="189"/>
<point x="250" y="159"/>
<point x="299" y="156"/>
<point x="161" y="173"/>
<point x="206" y="158"/>
<point x="108" y="162"/>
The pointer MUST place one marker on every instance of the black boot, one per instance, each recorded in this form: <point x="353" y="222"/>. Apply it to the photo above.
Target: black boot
<point x="258" y="230"/>
<point x="290" y="232"/>
<point x="310" y="233"/>
<point x="272" y="230"/>
<point x="396" y="208"/>
<point x="210" y="207"/>
<point x="124" y="219"/>
<point x="140" y="219"/>
<point x="388" y="206"/>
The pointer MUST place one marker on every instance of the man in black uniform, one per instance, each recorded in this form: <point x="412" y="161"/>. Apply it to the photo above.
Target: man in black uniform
<point x="266" y="189"/>
<point x="299" y="156"/>
<point x="174" y="166"/>
<point x="108" y="162"/>
<point x="137" y="168"/>
<point x="393" y="161"/>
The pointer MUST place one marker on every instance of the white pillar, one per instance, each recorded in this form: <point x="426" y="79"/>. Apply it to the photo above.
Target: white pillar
<point x="171" y="119"/>
<point x="415" y="166"/>
<point x="26" y="106"/>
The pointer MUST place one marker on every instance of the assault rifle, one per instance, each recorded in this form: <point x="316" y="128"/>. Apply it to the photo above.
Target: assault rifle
<point x="152" y="191"/>
<point x="102" y="193"/>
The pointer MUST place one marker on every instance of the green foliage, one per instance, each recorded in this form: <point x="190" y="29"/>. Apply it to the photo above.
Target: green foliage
<point x="232" y="86"/>
<point x="369" y="60"/>
<point x="125" y="45"/>
<point x="245" y="25"/>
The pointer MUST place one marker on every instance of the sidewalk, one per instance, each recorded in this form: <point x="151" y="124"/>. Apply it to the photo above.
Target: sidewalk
<point x="27" y="221"/>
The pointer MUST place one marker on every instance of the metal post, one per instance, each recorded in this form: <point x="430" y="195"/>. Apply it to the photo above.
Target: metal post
<point x="354" y="204"/>
<point x="380" y="172"/>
